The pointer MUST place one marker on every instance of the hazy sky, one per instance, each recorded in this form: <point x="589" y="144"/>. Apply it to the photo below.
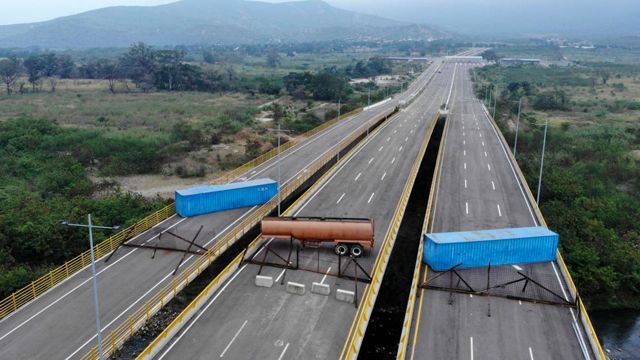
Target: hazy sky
<point x="480" y="17"/>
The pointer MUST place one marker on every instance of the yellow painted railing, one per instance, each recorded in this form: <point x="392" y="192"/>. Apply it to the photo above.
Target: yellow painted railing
<point x="406" y="325"/>
<point x="567" y="275"/>
<point x="38" y="287"/>
<point x="361" y="320"/>
<point x="69" y="268"/>
<point x="137" y="319"/>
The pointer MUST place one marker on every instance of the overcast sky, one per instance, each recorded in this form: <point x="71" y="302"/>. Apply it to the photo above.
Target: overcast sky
<point x="610" y="17"/>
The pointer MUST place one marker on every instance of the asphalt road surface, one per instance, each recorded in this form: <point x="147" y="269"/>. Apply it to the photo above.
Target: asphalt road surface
<point x="478" y="189"/>
<point x="60" y="324"/>
<point x="243" y="321"/>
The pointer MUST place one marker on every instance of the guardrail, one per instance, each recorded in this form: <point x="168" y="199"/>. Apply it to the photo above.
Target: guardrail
<point x="54" y="277"/>
<point x="584" y="316"/>
<point x="178" y="323"/>
<point x="137" y="319"/>
<point x="408" y="318"/>
<point x="361" y="320"/>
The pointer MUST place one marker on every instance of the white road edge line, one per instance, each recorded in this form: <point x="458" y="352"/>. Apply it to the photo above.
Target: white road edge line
<point x="284" y="351"/>
<point x="234" y="338"/>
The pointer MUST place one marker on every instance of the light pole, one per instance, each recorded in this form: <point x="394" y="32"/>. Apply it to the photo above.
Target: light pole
<point x="495" y="102"/>
<point x="93" y="272"/>
<point x="515" y="142"/>
<point x="280" y="130"/>
<point x="544" y="144"/>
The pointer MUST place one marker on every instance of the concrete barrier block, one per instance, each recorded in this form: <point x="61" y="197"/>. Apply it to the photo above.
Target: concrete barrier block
<point x="322" y="289"/>
<point x="264" y="281"/>
<point x="295" y="288"/>
<point x="345" y="295"/>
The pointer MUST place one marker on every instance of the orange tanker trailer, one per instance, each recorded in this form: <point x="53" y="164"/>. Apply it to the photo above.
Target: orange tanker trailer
<point x="348" y="235"/>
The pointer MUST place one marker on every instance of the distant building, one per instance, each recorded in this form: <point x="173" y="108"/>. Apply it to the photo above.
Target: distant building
<point x="517" y="62"/>
<point x="407" y="58"/>
<point x="461" y="58"/>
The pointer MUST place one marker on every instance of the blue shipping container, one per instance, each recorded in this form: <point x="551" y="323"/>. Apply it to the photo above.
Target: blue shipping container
<point x="496" y="247"/>
<point x="212" y="198"/>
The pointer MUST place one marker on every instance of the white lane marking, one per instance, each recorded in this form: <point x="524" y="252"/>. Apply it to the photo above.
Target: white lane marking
<point x="234" y="338"/>
<point x="381" y="147"/>
<point x="283" y="351"/>
<point x="370" y="197"/>
<point x="406" y="139"/>
<point x="517" y="267"/>
<point x="389" y="138"/>
<point x="493" y="185"/>
<point x="383" y="175"/>
<point x="203" y="311"/>
<point x="280" y="276"/>
<point x="400" y="148"/>
<point x="485" y="154"/>
<point x="340" y="199"/>
<point x="467" y="207"/>
<point x="465" y="165"/>
<point x="520" y="302"/>
<point x="357" y="177"/>
<point x="253" y="172"/>
<point x="395" y="131"/>
<point x="465" y="183"/>
<point x="463" y="134"/>
<point x="393" y="160"/>
<point x="499" y="211"/>
<point x="325" y="275"/>
<point x="483" y="143"/>
<point x="471" y="347"/>
<point x="480" y="135"/>
<point x="530" y="353"/>
<point x="464" y="152"/>
<point x="371" y="160"/>
<point x="489" y="167"/>
<point x="464" y="142"/>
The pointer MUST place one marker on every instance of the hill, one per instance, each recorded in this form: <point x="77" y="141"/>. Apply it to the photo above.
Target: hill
<point x="190" y="22"/>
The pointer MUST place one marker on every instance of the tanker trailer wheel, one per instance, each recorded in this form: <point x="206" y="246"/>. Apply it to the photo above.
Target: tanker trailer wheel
<point x="341" y="249"/>
<point x="356" y="250"/>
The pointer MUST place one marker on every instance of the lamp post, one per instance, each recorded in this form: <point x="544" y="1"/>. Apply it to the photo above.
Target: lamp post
<point x="544" y="144"/>
<point x="90" y="226"/>
<point x="515" y="142"/>
<point x="280" y="130"/>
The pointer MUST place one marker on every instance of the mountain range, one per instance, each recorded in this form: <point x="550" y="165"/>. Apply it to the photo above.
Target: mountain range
<point x="190" y="22"/>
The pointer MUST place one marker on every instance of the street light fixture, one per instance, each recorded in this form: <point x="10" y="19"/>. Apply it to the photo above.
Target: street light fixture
<point x="90" y="226"/>
<point x="280" y="130"/>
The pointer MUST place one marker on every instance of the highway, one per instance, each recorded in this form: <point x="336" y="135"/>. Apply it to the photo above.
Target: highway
<point x="243" y="321"/>
<point x="477" y="188"/>
<point x="60" y="324"/>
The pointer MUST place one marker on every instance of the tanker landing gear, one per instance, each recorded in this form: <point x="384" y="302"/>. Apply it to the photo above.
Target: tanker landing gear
<point x="356" y="250"/>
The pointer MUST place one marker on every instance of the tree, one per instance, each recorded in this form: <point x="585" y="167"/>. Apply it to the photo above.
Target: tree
<point x="139" y="64"/>
<point x="10" y="71"/>
<point x="109" y="71"/>
<point x="66" y="66"/>
<point x="34" y="67"/>
<point x="273" y="59"/>
<point x="169" y="65"/>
